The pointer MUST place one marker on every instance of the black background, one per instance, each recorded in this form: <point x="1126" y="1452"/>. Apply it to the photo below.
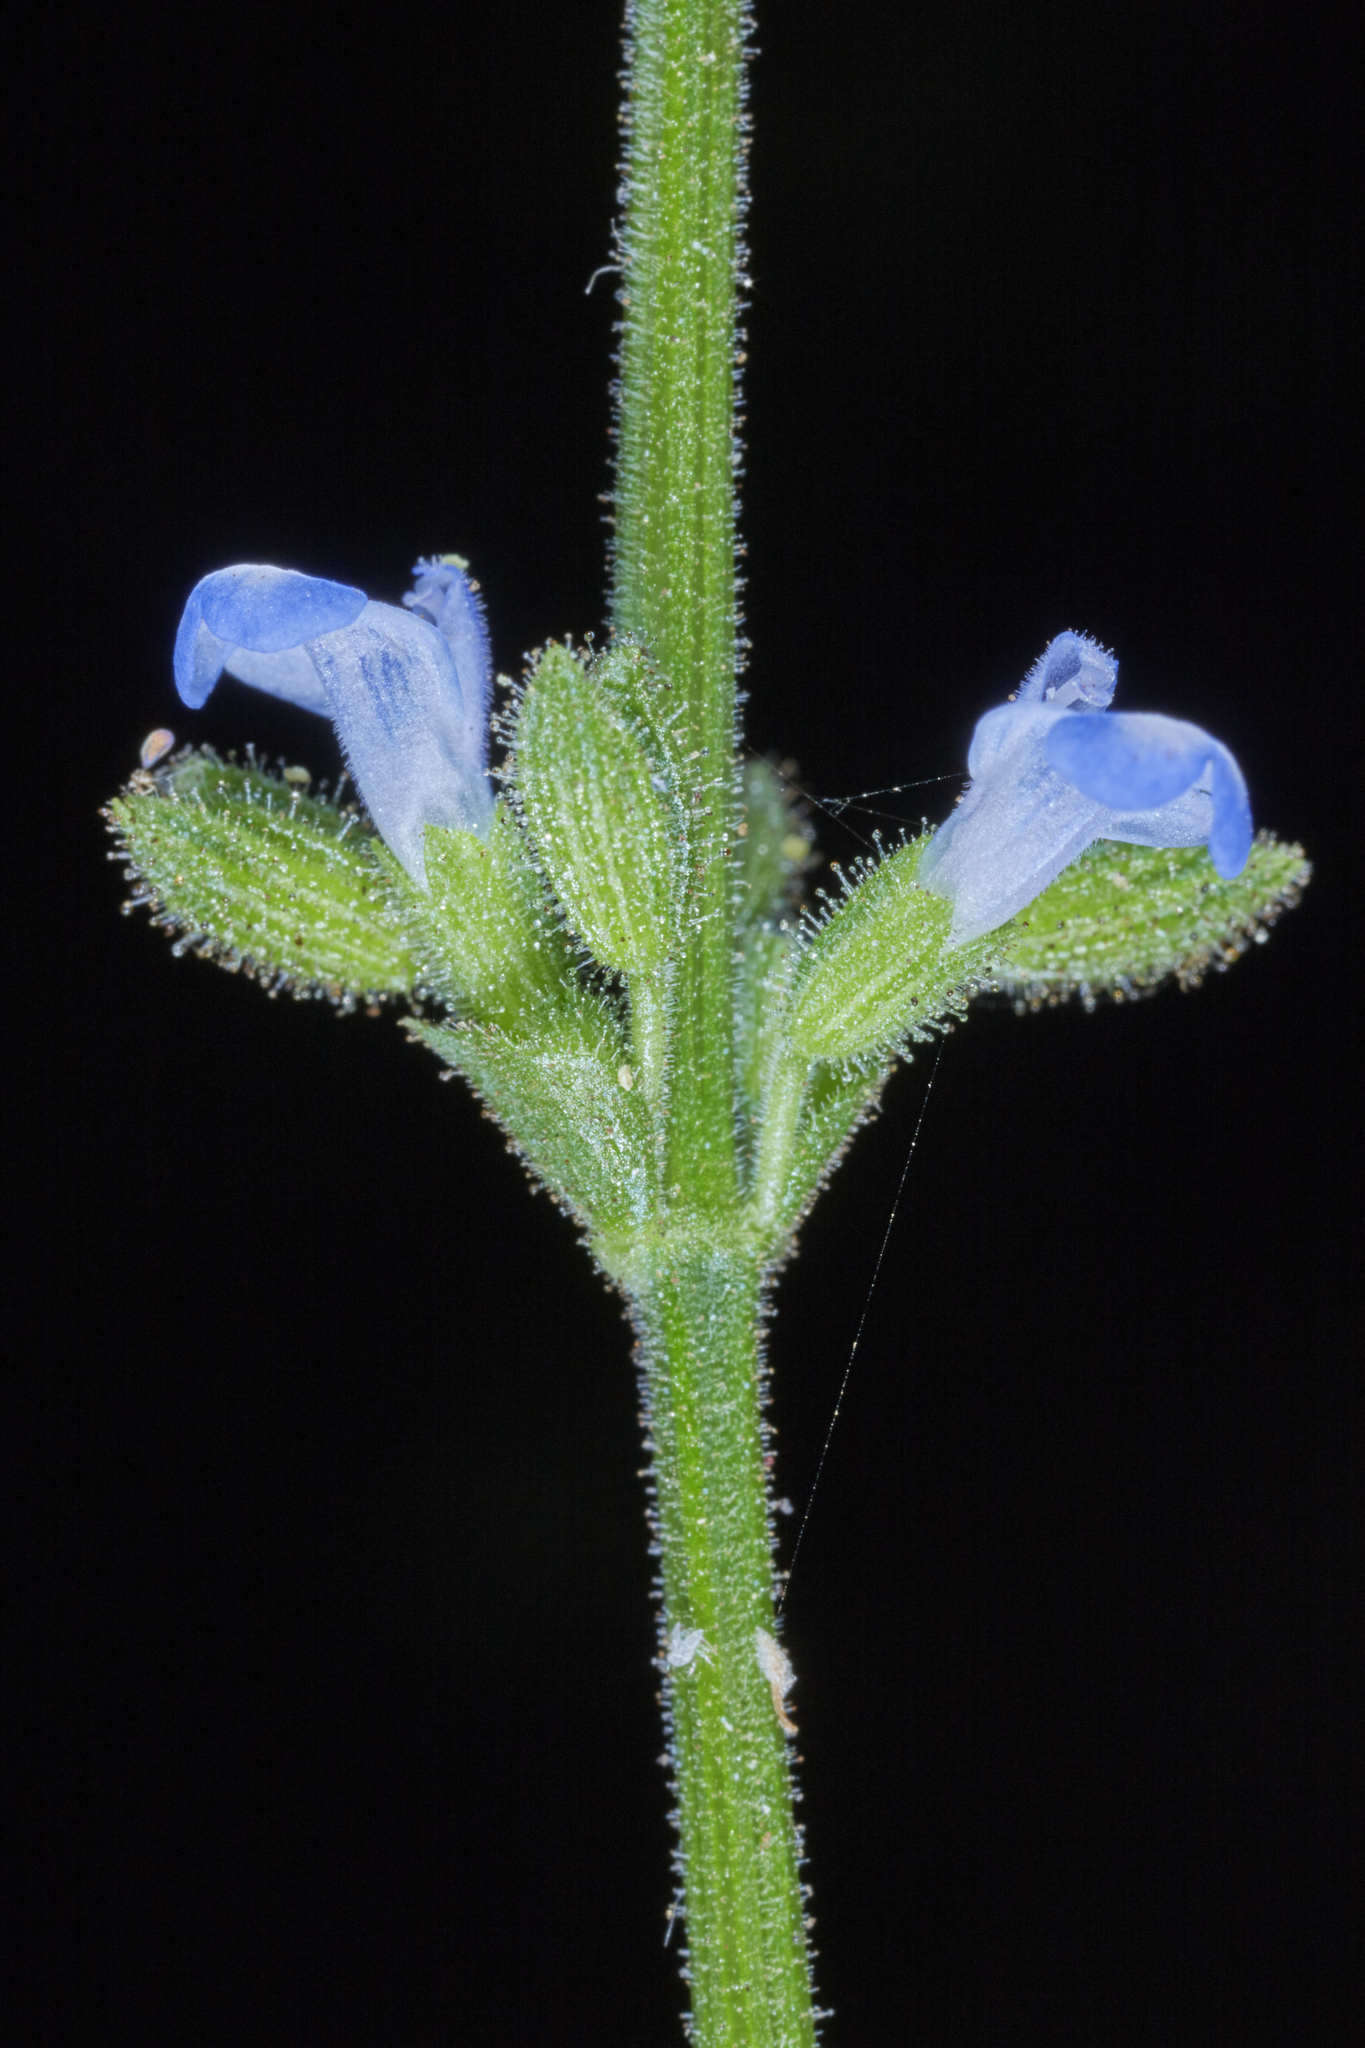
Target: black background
<point x="335" y="1716"/>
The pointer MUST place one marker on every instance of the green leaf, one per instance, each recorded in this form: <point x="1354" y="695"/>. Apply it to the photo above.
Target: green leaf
<point x="248" y="870"/>
<point x="603" y="832"/>
<point x="1122" y="919"/>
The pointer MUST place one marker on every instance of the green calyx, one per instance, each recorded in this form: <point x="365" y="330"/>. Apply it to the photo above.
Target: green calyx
<point x="600" y="815"/>
<point x="247" y="869"/>
<point x="569" y="1103"/>
<point x="491" y="939"/>
<point x="538" y="1039"/>
<point x="879" y="967"/>
<point x="825" y="1018"/>
<point x="1123" y="919"/>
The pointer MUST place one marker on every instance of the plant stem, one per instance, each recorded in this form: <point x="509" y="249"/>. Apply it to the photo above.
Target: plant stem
<point x="694" y="1279"/>
<point x="673" y="566"/>
<point x="782" y="1102"/>
<point x="697" y="1314"/>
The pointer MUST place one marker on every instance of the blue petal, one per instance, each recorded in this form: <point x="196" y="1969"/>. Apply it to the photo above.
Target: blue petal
<point x="416" y="749"/>
<point x="413" y="723"/>
<point x="995" y="731"/>
<point x="253" y="620"/>
<point x="1072" y="669"/>
<point x="1129" y="760"/>
<point x="1185" y="821"/>
<point x="266" y="609"/>
<point x="1137" y="761"/>
<point x="443" y="592"/>
<point x="1055" y="769"/>
<point x="1230" y="839"/>
<point x="1015" y="830"/>
<point x="1073" y="672"/>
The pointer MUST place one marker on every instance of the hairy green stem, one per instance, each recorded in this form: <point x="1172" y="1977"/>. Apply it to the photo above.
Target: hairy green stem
<point x="693" y="1277"/>
<point x="649" y="1038"/>
<point x="697" y="1310"/>
<point x="782" y="1101"/>
<point x="673" y="565"/>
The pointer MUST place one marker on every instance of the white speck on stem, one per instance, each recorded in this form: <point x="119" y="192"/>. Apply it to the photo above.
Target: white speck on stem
<point x="776" y="1667"/>
<point x="684" y="1646"/>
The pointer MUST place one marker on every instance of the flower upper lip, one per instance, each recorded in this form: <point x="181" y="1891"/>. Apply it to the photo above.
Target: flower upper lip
<point x="1056" y="769"/>
<point x="406" y="687"/>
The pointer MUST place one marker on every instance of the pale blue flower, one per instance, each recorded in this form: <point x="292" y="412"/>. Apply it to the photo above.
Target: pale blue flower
<point x="1055" y="769"/>
<point x="406" y="688"/>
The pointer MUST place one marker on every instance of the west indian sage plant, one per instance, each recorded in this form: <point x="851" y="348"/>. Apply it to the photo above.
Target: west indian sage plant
<point x="607" y="937"/>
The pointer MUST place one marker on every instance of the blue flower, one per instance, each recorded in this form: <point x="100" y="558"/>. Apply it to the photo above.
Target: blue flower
<point x="1055" y="769"/>
<point x="407" y="689"/>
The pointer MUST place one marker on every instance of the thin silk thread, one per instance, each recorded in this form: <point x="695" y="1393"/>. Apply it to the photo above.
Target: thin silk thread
<point x="858" y="1333"/>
